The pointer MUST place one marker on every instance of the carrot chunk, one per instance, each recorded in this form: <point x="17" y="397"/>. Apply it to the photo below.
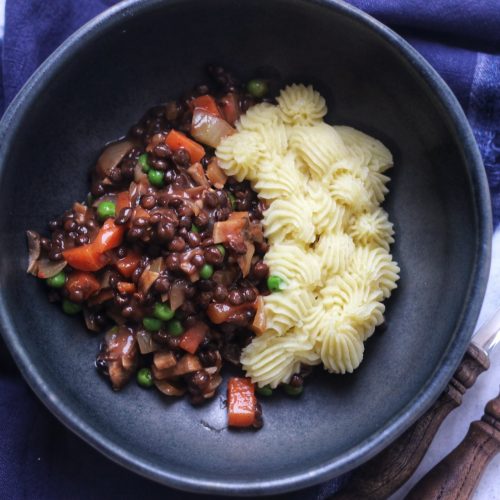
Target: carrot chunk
<point x="241" y="402"/>
<point x="176" y="140"/>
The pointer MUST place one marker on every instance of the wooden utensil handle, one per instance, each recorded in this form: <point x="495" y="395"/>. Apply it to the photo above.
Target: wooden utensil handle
<point x="456" y="476"/>
<point x="390" y="469"/>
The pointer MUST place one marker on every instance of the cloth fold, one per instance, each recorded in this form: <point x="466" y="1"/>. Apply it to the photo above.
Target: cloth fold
<point x="41" y="459"/>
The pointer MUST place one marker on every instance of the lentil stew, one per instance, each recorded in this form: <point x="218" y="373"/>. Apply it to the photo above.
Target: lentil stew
<point x="166" y="255"/>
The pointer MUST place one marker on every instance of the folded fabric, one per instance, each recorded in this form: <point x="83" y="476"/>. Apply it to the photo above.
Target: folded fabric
<point x="41" y="459"/>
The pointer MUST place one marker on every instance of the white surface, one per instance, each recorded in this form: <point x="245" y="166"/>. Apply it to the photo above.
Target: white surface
<point x="2" y="17"/>
<point x="456" y="425"/>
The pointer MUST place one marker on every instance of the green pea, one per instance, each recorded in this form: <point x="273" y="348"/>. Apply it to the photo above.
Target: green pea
<point x="264" y="391"/>
<point x="151" y="324"/>
<point x="293" y="391"/>
<point x="144" y="162"/>
<point x="144" y="377"/>
<point x="106" y="209"/>
<point x="258" y="88"/>
<point x="175" y="328"/>
<point x="275" y="283"/>
<point x="194" y="228"/>
<point x="206" y="271"/>
<point x="222" y="250"/>
<point x="232" y="199"/>
<point x="57" y="281"/>
<point x="156" y="177"/>
<point x="70" y="307"/>
<point x="163" y="312"/>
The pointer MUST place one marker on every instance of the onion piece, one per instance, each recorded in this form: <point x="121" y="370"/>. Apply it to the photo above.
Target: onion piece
<point x="146" y="342"/>
<point x="225" y="277"/>
<point x="245" y="261"/>
<point x="186" y="264"/>
<point x="79" y="208"/>
<point x="154" y="141"/>
<point x="187" y="364"/>
<point x="195" y="193"/>
<point x="33" y="252"/>
<point x="168" y="388"/>
<point x="90" y="321"/>
<point x="209" y="129"/>
<point x="133" y="191"/>
<point x="158" y="265"/>
<point x="161" y="374"/>
<point x="215" y="381"/>
<point x="139" y="176"/>
<point x="224" y="230"/>
<point x="177" y="292"/>
<point x="164" y="360"/>
<point x="221" y="312"/>
<point x="120" y="354"/>
<point x="112" y="156"/>
<point x="215" y="174"/>
<point x="103" y="296"/>
<point x="115" y="315"/>
<point x="259" y="321"/>
<point x="81" y="215"/>
<point x="255" y="232"/>
<point x="198" y="174"/>
<point x="105" y="197"/>
<point x="147" y="279"/>
<point x="239" y="215"/>
<point x="47" y="268"/>
<point x="140" y="212"/>
<point x="105" y="279"/>
<point x="230" y="106"/>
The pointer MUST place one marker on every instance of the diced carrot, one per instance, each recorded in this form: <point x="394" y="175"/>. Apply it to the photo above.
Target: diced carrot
<point x="215" y="174"/>
<point x="241" y="402"/>
<point x="83" y="282"/>
<point x="85" y="258"/>
<point x="125" y="287"/>
<point x="128" y="264"/>
<point x="230" y="108"/>
<point x="91" y="257"/>
<point x="207" y="103"/>
<point x="109" y="236"/>
<point x="177" y="140"/>
<point x="193" y="337"/>
<point x="122" y="201"/>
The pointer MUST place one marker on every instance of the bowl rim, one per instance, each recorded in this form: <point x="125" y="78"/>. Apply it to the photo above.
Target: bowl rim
<point x="394" y="427"/>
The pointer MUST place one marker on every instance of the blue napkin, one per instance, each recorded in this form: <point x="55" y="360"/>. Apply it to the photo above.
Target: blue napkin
<point x="39" y="458"/>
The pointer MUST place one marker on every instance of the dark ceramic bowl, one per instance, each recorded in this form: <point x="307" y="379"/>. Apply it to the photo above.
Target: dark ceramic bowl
<point x="141" y="53"/>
